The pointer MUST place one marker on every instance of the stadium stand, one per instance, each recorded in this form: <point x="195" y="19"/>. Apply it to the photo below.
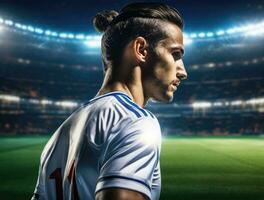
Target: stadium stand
<point x="39" y="70"/>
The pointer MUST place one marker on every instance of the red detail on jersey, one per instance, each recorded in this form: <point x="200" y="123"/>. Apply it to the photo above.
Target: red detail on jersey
<point x="56" y="174"/>
<point x="72" y="179"/>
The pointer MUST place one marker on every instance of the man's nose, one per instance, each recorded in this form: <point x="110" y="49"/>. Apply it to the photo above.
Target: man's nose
<point x="181" y="71"/>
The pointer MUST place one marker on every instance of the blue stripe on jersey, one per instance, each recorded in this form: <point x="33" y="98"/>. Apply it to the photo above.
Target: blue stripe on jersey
<point x="145" y="183"/>
<point x="126" y="105"/>
<point x="151" y="114"/>
<point x="105" y="95"/>
<point x="128" y="100"/>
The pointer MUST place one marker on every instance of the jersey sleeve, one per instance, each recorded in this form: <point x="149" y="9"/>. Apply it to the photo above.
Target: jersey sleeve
<point x="130" y="157"/>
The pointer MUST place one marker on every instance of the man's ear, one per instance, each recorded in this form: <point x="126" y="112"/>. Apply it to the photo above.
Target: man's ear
<point x="140" y="49"/>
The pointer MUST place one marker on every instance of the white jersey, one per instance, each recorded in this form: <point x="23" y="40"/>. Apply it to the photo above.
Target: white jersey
<point x="110" y="142"/>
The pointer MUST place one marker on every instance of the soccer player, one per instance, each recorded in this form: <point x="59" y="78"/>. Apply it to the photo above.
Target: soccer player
<point x="109" y="148"/>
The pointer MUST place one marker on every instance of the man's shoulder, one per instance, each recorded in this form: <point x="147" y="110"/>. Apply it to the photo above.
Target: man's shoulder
<point x="124" y="116"/>
<point x="119" y="103"/>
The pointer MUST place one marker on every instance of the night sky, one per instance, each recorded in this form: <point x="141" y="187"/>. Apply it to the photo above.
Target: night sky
<point x="75" y="15"/>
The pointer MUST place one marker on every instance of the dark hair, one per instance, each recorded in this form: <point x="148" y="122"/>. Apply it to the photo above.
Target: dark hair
<point x="135" y="19"/>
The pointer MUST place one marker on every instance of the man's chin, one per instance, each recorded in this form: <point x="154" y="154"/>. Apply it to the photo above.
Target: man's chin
<point x="166" y="98"/>
<point x="170" y="98"/>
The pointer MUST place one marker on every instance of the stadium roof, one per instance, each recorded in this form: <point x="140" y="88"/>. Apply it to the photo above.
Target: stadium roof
<point x="75" y="16"/>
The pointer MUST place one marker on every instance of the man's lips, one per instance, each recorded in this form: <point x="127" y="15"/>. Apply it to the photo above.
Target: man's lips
<point x="175" y="84"/>
<point x="174" y="87"/>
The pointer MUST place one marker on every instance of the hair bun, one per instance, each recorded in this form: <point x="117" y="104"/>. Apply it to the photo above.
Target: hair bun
<point x="103" y="19"/>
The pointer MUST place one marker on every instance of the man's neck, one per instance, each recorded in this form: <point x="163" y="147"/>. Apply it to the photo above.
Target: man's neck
<point x="132" y="86"/>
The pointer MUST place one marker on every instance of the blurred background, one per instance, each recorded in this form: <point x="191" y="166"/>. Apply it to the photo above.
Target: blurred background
<point x="50" y="64"/>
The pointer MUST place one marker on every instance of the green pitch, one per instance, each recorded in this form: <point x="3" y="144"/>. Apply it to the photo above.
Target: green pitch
<point x="192" y="168"/>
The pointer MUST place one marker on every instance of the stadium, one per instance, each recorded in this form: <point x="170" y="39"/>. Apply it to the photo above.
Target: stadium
<point x="212" y="130"/>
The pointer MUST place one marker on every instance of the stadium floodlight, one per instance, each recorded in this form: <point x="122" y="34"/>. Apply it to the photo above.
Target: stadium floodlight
<point x="20" y="60"/>
<point x="202" y="105"/>
<point x="230" y="31"/>
<point x="38" y="30"/>
<point x="34" y="101"/>
<point x="30" y="28"/>
<point x="80" y="37"/>
<point x="17" y="25"/>
<point x="93" y="43"/>
<point x="193" y="35"/>
<point x="70" y="35"/>
<point x="195" y="66"/>
<point x="9" y="22"/>
<point x="69" y="104"/>
<point x="220" y="32"/>
<point x="201" y="35"/>
<point x="54" y="34"/>
<point x="47" y="32"/>
<point x="210" y="65"/>
<point x="217" y="104"/>
<point x="199" y="105"/>
<point x="187" y="41"/>
<point x="89" y="37"/>
<point x="46" y="102"/>
<point x="24" y="27"/>
<point x="255" y="61"/>
<point x="255" y="101"/>
<point x="210" y="34"/>
<point x="63" y="35"/>
<point x="10" y="98"/>
<point x="248" y="27"/>
<point x="256" y="30"/>
<point x="246" y="62"/>
<point x="185" y="35"/>
<point x="228" y="63"/>
<point x="236" y="103"/>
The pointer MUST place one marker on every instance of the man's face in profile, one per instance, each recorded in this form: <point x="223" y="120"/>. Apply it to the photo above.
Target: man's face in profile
<point x="165" y="66"/>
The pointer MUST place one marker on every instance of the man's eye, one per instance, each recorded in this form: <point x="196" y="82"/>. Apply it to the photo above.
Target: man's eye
<point x="176" y="55"/>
